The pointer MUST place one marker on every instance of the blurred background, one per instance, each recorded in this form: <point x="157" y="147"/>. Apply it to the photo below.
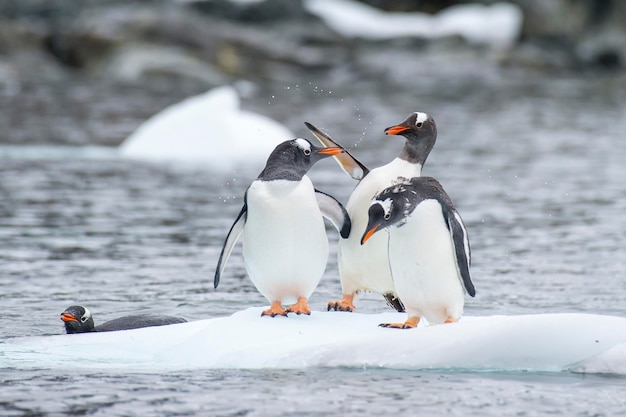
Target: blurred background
<point x="90" y="71"/>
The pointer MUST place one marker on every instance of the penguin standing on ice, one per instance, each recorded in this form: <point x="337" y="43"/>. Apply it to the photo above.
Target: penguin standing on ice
<point x="429" y="252"/>
<point x="285" y="246"/>
<point x="366" y="267"/>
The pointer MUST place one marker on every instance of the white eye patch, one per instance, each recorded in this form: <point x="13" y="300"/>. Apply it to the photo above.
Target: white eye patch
<point x="86" y="316"/>
<point x="385" y="204"/>
<point x="303" y="144"/>
<point x="421" y="117"/>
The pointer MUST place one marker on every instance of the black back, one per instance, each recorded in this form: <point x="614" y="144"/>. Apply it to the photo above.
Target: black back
<point x="138" y="321"/>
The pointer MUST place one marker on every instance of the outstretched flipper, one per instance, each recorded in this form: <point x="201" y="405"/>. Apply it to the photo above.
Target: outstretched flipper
<point x="229" y="242"/>
<point x="348" y="163"/>
<point x="461" y="247"/>
<point x="334" y="211"/>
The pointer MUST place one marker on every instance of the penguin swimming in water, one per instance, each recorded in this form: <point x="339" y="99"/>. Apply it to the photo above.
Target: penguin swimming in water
<point x="429" y="252"/>
<point x="78" y="319"/>
<point x="366" y="267"/>
<point x="285" y="247"/>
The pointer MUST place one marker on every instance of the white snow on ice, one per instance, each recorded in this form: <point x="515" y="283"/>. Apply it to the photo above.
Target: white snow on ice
<point x="497" y="25"/>
<point x="209" y="128"/>
<point x="541" y="342"/>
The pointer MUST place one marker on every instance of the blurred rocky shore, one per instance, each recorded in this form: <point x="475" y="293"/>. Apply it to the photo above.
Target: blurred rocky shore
<point x="90" y="71"/>
<point x="214" y="42"/>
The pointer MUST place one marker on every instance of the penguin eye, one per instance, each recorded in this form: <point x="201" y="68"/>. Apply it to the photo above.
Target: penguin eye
<point x="83" y="319"/>
<point x="387" y="216"/>
<point x="419" y="124"/>
<point x="307" y="152"/>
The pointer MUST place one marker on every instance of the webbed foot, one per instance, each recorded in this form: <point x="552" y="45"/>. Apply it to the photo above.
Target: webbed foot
<point x="345" y="304"/>
<point x="300" y="307"/>
<point x="276" y="309"/>
<point x="410" y="323"/>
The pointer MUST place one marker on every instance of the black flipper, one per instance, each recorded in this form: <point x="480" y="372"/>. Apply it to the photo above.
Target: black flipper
<point x="334" y="211"/>
<point x="461" y="247"/>
<point x="229" y="242"/>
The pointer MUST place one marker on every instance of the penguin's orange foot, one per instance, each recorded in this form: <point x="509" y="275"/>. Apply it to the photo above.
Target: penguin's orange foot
<point x="276" y="309"/>
<point x="451" y="320"/>
<point x="300" y="307"/>
<point x="411" y="323"/>
<point x="341" y="306"/>
<point x="345" y="304"/>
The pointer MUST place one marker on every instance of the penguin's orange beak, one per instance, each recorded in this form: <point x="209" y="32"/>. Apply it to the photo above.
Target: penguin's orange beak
<point x="369" y="233"/>
<point x="68" y="317"/>
<point x="330" y="151"/>
<point x="396" y="130"/>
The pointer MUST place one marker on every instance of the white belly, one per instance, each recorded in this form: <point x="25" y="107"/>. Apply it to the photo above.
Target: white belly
<point x="366" y="267"/>
<point x="284" y="239"/>
<point x="424" y="267"/>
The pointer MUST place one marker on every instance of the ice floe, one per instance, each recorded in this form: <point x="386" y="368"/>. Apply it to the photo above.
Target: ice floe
<point x="540" y="342"/>
<point x="209" y="128"/>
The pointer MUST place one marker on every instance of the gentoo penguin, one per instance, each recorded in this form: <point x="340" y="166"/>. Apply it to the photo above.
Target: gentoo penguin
<point x="429" y="252"/>
<point x="285" y="247"/>
<point x="78" y="319"/>
<point x="366" y="268"/>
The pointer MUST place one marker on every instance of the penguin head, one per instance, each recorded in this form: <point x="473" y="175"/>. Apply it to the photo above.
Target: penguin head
<point x="292" y="159"/>
<point x="420" y="132"/>
<point x="77" y="319"/>
<point x="389" y="207"/>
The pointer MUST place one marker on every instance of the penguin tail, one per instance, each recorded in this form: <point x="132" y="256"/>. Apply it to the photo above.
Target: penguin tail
<point x="394" y="302"/>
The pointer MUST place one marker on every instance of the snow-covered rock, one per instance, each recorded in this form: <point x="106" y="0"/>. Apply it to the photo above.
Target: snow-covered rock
<point x="209" y="129"/>
<point x="541" y="342"/>
<point x="497" y="25"/>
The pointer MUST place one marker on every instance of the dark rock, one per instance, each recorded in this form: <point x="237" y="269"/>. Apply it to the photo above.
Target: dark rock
<point x="267" y="11"/>
<point x="590" y="32"/>
<point x="218" y="41"/>
<point x="23" y="54"/>
<point x="102" y="37"/>
<point x="425" y="6"/>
